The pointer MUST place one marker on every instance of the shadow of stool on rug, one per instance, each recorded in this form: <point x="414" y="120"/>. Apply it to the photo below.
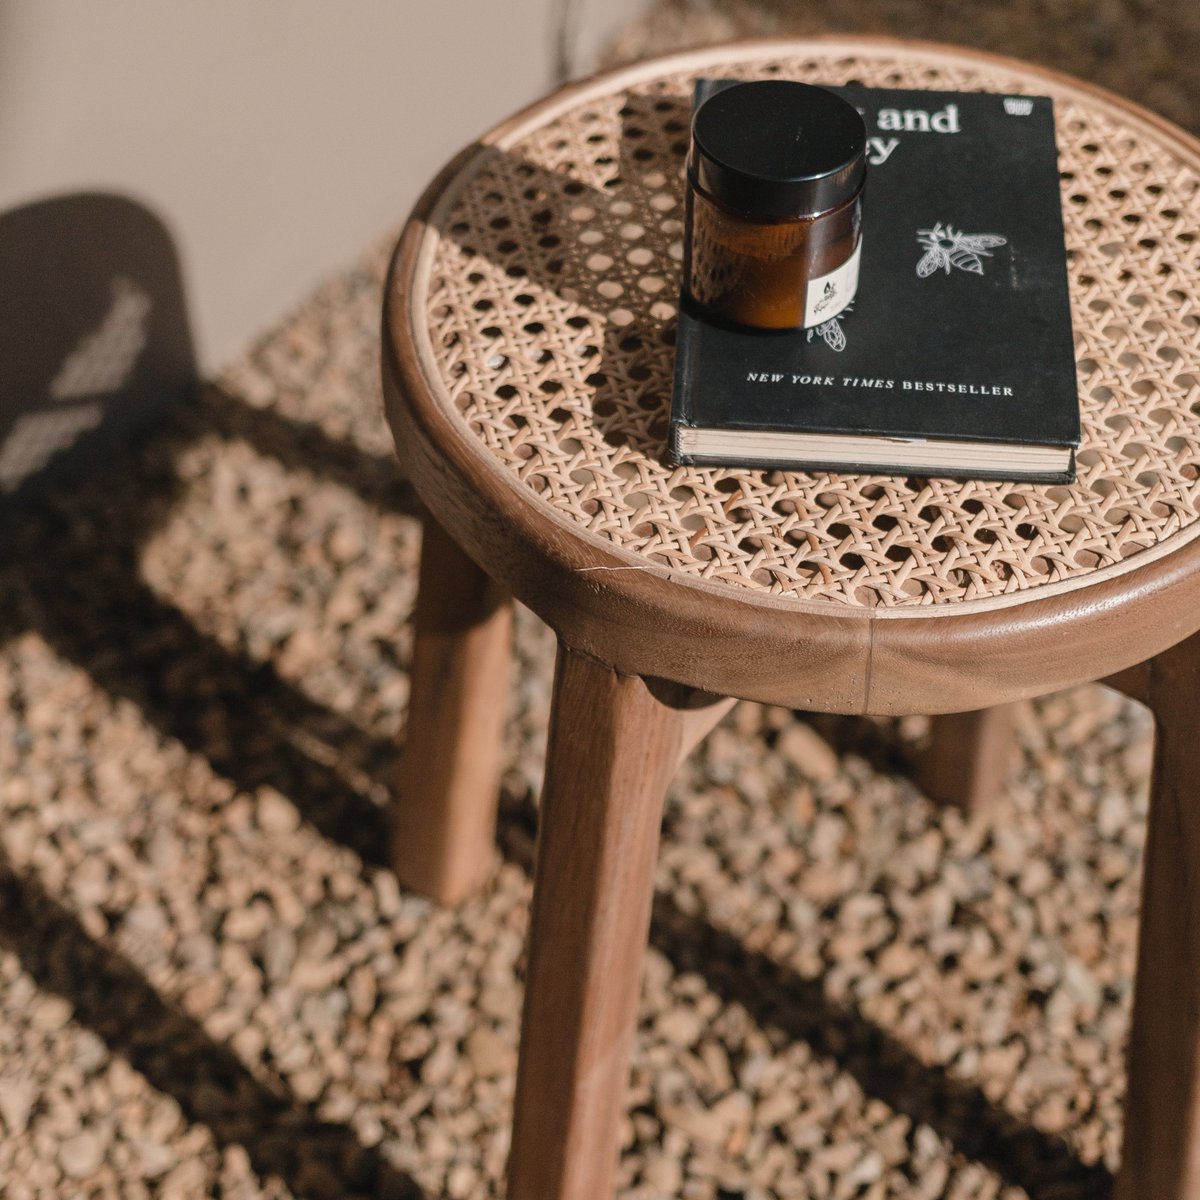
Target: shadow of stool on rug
<point x="99" y="397"/>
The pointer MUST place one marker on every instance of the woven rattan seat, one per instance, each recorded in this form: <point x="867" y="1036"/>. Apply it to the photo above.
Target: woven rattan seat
<point x="528" y="359"/>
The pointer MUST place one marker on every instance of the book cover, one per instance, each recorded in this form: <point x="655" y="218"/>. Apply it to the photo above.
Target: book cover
<point x="956" y="358"/>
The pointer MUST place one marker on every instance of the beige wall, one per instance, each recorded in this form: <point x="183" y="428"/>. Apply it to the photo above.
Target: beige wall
<point x="275" y="137"/>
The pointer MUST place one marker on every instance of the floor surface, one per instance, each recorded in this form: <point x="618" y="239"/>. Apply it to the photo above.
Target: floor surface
<point x="211" y="985"/>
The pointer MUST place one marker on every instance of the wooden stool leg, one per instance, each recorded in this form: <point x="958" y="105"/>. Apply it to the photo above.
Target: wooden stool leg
<point x="444" y="820"/>
<point x="969" y="757"/>
<point x="1161" y="1156"/>
<point x="615" y="742"/>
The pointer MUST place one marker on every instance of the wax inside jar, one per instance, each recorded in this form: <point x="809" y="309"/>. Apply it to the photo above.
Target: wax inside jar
<point x="763" y="275"/>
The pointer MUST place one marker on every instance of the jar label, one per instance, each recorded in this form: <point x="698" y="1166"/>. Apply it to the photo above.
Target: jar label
<point x="827" y="295"/>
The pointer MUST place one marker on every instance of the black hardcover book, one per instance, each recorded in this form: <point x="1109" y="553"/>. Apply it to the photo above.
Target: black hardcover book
<point x="956" y="358"/>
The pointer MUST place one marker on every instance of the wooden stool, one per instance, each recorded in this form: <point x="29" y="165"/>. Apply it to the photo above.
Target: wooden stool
<point x="528" y="355"/>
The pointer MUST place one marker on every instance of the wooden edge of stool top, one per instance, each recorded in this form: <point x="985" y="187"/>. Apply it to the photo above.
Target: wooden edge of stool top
<point x="644" y="619"/>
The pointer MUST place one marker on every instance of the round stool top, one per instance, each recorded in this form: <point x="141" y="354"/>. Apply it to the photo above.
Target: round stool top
<point x="531" y="323"/>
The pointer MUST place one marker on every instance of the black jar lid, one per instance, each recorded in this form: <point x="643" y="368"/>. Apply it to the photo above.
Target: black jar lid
<point x="775" y="149"/>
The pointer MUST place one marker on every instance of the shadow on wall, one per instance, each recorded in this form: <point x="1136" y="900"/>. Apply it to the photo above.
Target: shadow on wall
<point x="94" y="333"/>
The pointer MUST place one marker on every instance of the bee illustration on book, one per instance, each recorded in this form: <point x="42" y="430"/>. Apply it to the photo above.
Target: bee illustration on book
<point x="831" y="331"/>
<point x="946" y="247"/>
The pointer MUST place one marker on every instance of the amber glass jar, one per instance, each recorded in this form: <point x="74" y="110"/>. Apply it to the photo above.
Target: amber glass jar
<point x="774" y="204"/>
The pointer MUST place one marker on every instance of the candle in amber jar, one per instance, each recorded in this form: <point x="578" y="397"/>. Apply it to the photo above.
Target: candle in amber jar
<point x="774" y="204"/>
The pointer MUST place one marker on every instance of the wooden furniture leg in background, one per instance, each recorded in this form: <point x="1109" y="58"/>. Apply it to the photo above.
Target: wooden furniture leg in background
<point x="444" y="819"/>
<point x="1161" y="1157"/>
<point x="615" y="741"/>
<point x="969" y="757"/>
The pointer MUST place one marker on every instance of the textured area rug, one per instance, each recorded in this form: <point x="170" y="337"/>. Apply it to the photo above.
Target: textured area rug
<point x="1142" y="51"/>
<point x="210" y="983"/>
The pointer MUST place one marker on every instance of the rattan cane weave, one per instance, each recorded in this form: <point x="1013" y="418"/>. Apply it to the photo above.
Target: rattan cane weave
<point x="549" y="278"/>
